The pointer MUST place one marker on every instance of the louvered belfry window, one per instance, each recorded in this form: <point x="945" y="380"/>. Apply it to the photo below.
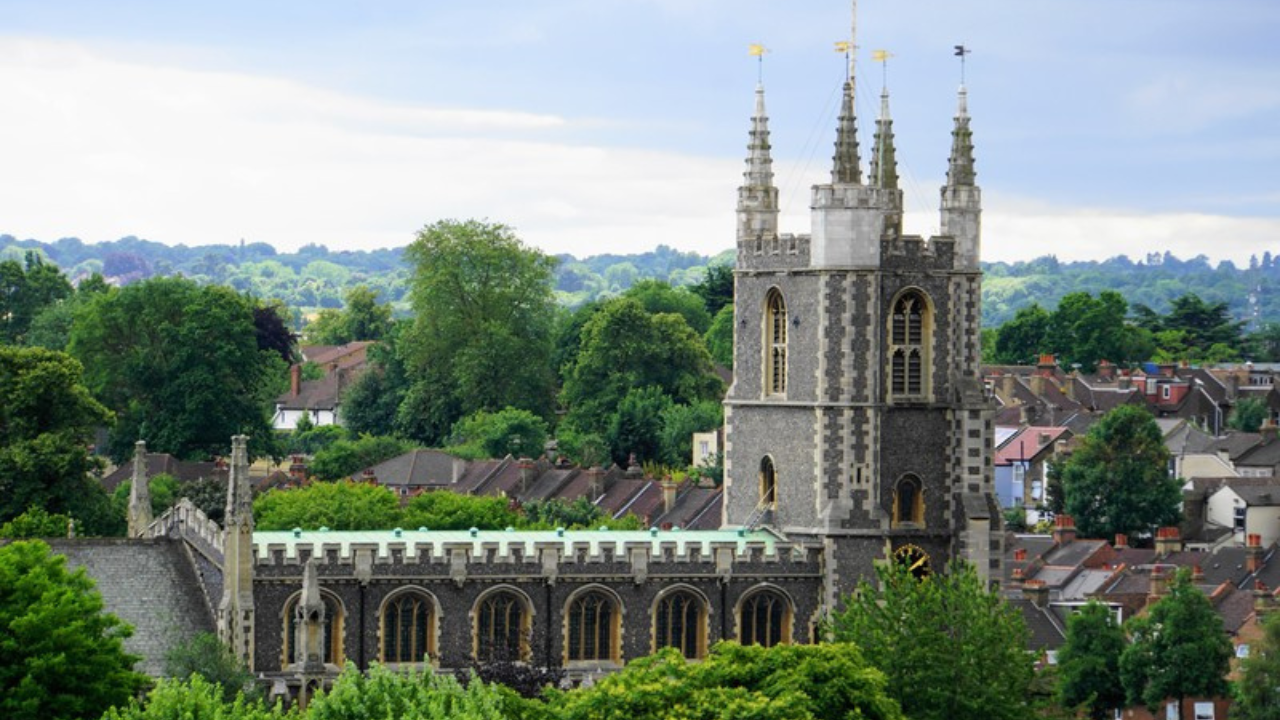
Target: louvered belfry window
<point x="776" y="343"/>
<point x="907" y="348"/>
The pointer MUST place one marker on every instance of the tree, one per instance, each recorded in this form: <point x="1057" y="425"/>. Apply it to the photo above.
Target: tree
<point x="47" y="420"/>
<point x="446" y="510"/>
<point x="719" y="337"/>
<point x="1089" y="662"/>
<point x="163" y="488"/>
<point x="636" y="427"/>
<point x="181" y="366"/>
<point x="907" y="623"/>
<point x="204" y="656"/>
<point x="786" y="682"/>
<point x="580" y="514"/>
<point x="1248" y="414"/>
<point x="1258" y="691"/>
<point x="344" y="458"/>
<point x="36" y="523"/>
<point x="61" y="656"/>
<point x="362" y="318"/>
<point x="509" y="431"/>
<point x="657" y="296"/>
<point x="195" y="697"/>
<point x="1084" y="330"/>
<point x="623" y="348"/>
<point x="481" y="337"/>
<point x="271" y="328"/>
<point x="680" y="422"/>
<point x="1117" y="480"/>
<point x="1178" y="649"/>
<point x="25" y="290"/>
<point x="716" y="288"/>
<point x="384" y="693"/>
<point x="371" y="405"/>
<point x="1021" y="340"/>
<point x="343" y="505"/>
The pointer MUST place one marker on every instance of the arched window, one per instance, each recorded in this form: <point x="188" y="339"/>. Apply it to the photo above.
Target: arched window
<point x="502" y="627"/>
<point x="908" y="501"/>
<point x="768" y="483"/>
<point x="593" y="627"/>
<point x="332" y="630"/>
<point x="765" y="619"/>
<point x="680" y="621"/>
<point x="408" y="628"/>
<point x="775" y="343"/>
<point x="909" y="345"/>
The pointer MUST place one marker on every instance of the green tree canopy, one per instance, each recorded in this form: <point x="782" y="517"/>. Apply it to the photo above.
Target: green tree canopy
<point x="1178" y="648"/>
<point x="719" y="337"/>
<point x="1258" y="691"/>
<point x="950" y="647"/>
<point x="1021" y="340"/>
<point x="446" y="510"/>
<point x="657" y="296"/>
<point x="61" y="656"/>
<point x="35" y="523"/>
<point x="833" y="681"/>
<point x="342" y="505"/>
<point x="362" y="318"/>
<point x="1117" y="479"/>
<point x="47" y="420"/>
<point x="481" y="336"/>
<point x="25" y="290"/>
<point x="1089" y="662"/>
<point x="206" y="657"/>
<point x="625" y="347"/>
<point x="344" y="458"/>
<point x="509" y="431"/>
<point x="716" y="287"/>
<point x="193" y="697"/>
<point x="180" y="365"/>
<point x="1249" y="414"/>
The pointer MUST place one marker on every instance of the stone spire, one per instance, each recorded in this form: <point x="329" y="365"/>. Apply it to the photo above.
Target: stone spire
<point x="847" y="169"/>
<point x="309" y="623"/>
<point x="884" y="162"/>
<point x="960" y="170"/>
<point x="139" y="493"/>
<point x="758" y="198"/>
<point x="239" y="495"/>
<point x="236" y="610"/>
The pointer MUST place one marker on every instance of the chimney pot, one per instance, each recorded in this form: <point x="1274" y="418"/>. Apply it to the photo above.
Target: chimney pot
<point x="1122" y="541"/>
<point x="295" y="380"/>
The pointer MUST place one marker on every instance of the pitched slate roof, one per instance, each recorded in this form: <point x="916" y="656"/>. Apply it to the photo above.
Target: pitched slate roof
<point x="149" y="584"/>
<point x="164" y="463"/>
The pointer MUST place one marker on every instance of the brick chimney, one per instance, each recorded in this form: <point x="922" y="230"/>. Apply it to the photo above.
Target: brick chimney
<point x="1122" y="541"/>
<point x="668" y="494"/>
<point x="295" y="380"/>
<point x="1125" y="381"/>
<point x="526" y="473"/>
<point x="1020" y="555"/>
<point x="1037" y="592"/>
<point x="1064" y="530"/>
<point x="1168" y="369"/>
<point x="1106" y="371"/>
<point x="1008" y="382"/>
<point x="369" y="477"/>
<point x="298" y="468"/>
<point x="1264" y="601"/>
<point x="1159" y="584"/>
<point x="1015" y="581"/>
<point x="1037" y="384"/>
<point x="595" y="481"/>
<point x="1197" y="574"/>
<point x="1047" y="366"/>
<point x="1253" y="552"/>
<point x="1168" y="540"/>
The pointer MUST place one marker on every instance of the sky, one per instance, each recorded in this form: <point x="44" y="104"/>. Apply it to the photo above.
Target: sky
<point x="611" y="126"/>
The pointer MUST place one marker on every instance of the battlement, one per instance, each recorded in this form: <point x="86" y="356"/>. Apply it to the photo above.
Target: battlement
<point x="778" y="252"/>
<point x="519" y="546"/>
<point x="914" y="252"/>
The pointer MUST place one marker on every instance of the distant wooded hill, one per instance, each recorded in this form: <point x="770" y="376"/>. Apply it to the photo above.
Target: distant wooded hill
<point x="316" y="277"/>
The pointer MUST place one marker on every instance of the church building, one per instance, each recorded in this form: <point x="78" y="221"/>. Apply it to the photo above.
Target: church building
<point x="857" y="431"/>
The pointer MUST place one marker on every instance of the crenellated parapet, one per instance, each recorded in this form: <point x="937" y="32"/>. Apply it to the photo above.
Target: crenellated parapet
<point x="776" y="252"/>
<point x="913" y="252"/>
<point x="187" y="521"/>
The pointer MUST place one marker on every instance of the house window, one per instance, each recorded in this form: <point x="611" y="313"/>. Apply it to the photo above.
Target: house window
<point x="332" y="630"/>
<point x="768" y="483"/>
<point x="1164" y="392"/>
<point x="908" y="345"/>
<point x="593" y="627"/>
<point x="765" y="619"/>
<point x="502" y="626"/>
<point x="775" y="343"/>
<point x="908" y="501"/>
<point x="408" y="628"/>
<point x="1239" y="518"/>
<point x="681" y="622"/>
<point x="1204" y="711"/>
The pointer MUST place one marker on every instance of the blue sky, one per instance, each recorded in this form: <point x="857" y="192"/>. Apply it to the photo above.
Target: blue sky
<point x="614" y="125"/>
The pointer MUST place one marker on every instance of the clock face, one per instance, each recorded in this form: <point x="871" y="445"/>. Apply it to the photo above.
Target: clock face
<point x="915" y="559"/>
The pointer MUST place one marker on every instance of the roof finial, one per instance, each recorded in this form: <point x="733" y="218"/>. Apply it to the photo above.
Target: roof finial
<point x="757" y="50"/>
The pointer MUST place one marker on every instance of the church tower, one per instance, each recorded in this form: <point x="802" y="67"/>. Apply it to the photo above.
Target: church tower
<point x="857" y="419"/>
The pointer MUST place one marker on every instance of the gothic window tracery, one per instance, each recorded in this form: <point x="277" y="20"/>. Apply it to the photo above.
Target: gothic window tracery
<point x="502" y="626"/>
<point x="909" y="330"/>
<point x="680" y="622"/>
<point x="775" y="343"/>
<point x="768" y="483"/>
<point x="765" y="619"/>
<point x="408" y="628"/>
<point x="593" y="627"/>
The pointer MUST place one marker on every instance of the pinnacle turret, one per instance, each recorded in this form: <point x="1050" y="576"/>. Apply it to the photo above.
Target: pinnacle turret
<point x="884" y="162"/>
<point x="960" y="170"/>
<point x="846" y="169"/>
<point x="239" y="495"/>
<point x="757" y="197"/>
